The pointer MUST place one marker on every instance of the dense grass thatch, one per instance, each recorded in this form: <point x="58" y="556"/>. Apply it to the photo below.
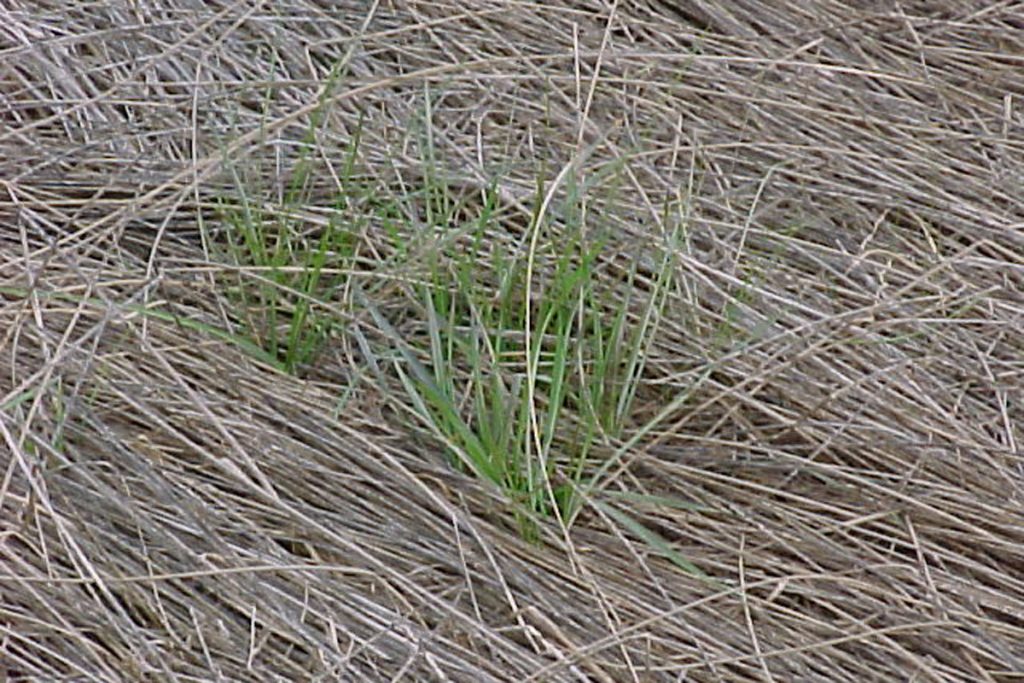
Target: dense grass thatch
<point x="829" y="418"/>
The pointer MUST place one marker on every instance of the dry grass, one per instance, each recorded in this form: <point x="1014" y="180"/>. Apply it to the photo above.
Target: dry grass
<point x="846" y="321"/>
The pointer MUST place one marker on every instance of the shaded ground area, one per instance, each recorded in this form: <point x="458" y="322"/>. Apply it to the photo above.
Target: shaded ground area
<point x="215" y="467"/>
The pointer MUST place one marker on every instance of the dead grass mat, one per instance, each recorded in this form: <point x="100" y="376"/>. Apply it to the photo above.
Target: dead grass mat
<point x="847" y="319"/>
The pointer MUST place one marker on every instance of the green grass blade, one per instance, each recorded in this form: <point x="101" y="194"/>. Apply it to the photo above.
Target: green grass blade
<point x="651" y="538"/>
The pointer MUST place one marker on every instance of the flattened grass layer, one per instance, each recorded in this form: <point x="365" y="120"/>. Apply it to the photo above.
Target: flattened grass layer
<point x="507" y="342"/>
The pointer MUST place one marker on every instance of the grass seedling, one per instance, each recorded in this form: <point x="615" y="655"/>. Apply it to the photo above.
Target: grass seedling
<point x="287" y="269"/>
<point x="532" y="439"/>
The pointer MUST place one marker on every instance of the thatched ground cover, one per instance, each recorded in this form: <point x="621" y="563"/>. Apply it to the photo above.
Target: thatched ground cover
<point x="215" y="467"/>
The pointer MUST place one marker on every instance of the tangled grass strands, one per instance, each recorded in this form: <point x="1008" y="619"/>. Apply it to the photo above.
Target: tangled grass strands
<point x="286" y="328"/>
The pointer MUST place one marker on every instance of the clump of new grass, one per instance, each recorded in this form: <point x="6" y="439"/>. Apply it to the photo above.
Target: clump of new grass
<point x="532" y="362"/>
<point x="285" y="273"/>
<point x="286" y="268"/>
